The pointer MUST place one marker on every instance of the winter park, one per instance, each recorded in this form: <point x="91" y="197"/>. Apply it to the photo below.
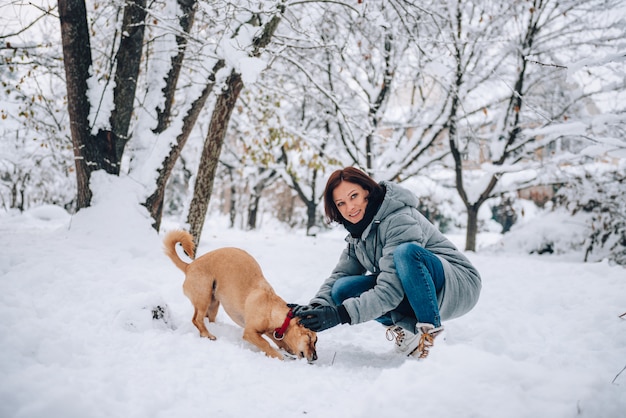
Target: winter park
<point x="319" y="137"/>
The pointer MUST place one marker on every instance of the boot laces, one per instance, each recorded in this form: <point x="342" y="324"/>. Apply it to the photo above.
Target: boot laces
<point x="397" y="333"/>
<point x="427" y="340"/>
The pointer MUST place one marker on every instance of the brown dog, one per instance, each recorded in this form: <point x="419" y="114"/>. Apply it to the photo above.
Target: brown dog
<point x="232" y="277"/>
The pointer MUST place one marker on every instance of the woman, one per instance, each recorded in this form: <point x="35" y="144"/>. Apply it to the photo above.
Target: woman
<point x="397" y="268"/>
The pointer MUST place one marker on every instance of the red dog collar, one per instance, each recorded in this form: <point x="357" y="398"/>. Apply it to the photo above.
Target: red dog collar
<point x="279" y="333"/>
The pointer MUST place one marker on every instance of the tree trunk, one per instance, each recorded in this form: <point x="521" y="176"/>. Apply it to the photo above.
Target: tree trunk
<point x="210" y="155"/>
<point x="472" y="228"/>
<point x="77" y="60"/>
<point x="188" y="7"/>
<point x="311" y="218"/>
<point x="14" y="196"/>
<point x="253" y="209"/>
<point x="128" y="60"/>
<point x="104" y="150"/>
<point x="311" y="203"/>
<point x="154" y="203"/>
<point x="266" y="177"/>
<point x="381" y="97"/>
<point x="232" y="210"/>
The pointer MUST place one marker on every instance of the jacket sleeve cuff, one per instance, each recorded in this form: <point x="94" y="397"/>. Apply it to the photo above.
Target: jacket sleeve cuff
<point x="319" y="302"/>
<point x="343" y="315"/>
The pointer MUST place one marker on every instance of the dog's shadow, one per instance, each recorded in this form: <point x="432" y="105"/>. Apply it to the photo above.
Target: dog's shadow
<point x="330" y="352"/>
<point x="225" y="330"/>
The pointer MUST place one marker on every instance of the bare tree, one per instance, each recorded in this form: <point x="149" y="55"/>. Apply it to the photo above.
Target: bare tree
<point x="503" y="94"/>
<point x="220" y="118"/>
<point x="343" y="87"/>
<point x="154" y="203"/>
<point x="102" y="151"/>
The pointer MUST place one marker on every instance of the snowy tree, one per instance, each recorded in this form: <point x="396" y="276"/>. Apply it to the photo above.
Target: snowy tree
<point x="100" y="135"/>
<point x="102" y="95"/>
<point x="253" y="32"/>
<point x="36" y="164"/>
<point x="510" y="97"/>
<point x="336" y="76"/>
<point x="251" y="155"/>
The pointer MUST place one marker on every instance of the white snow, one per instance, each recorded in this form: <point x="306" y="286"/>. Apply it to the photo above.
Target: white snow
<point x="78" y="338"/>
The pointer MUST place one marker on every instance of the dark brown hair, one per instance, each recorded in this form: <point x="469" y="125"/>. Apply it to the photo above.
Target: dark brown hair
<point x="351" y="175"/>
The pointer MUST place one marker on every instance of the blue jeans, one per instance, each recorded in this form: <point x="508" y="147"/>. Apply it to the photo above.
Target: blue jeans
<point x="421" y="275"/>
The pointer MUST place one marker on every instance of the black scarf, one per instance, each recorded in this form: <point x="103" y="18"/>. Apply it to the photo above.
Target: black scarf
<point x="373" y="204"/>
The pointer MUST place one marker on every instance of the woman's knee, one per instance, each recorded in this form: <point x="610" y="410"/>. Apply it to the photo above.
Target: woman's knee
<point x="409" y="257"/>
<point x="350" y="286"/>
<point x="338" y="294"/>
<point x="408" y="251"/>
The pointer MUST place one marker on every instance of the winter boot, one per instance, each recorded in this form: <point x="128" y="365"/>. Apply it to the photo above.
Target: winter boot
<point x="414" y="345"/>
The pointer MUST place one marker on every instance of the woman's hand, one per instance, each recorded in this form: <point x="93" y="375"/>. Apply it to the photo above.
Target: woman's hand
<point x="320" y="318"/>
<point x="300" y="309"/>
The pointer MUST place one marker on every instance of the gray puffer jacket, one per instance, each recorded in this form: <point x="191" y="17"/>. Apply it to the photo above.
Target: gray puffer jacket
<point x="398" y="221"/>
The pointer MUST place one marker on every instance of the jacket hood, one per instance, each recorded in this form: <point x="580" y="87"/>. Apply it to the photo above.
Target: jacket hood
<point x="396" y="198"/>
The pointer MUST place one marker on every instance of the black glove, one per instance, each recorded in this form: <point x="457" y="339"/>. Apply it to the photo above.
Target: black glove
<point x="298" y="309"/>
<point x="320" y="318"/>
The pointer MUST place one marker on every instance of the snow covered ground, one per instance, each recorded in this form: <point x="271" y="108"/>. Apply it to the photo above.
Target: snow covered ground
<point x="78" y="338"/>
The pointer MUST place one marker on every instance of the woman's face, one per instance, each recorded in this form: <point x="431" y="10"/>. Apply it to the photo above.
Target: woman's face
<point x="351" y="201"/>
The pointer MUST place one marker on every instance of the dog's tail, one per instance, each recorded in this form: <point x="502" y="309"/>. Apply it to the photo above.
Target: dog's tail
<point x="186" y="240"/>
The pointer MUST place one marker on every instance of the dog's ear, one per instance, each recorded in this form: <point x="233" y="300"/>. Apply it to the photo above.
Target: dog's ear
<point x="302" y="327"/>
<point x="296" y="321"/>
